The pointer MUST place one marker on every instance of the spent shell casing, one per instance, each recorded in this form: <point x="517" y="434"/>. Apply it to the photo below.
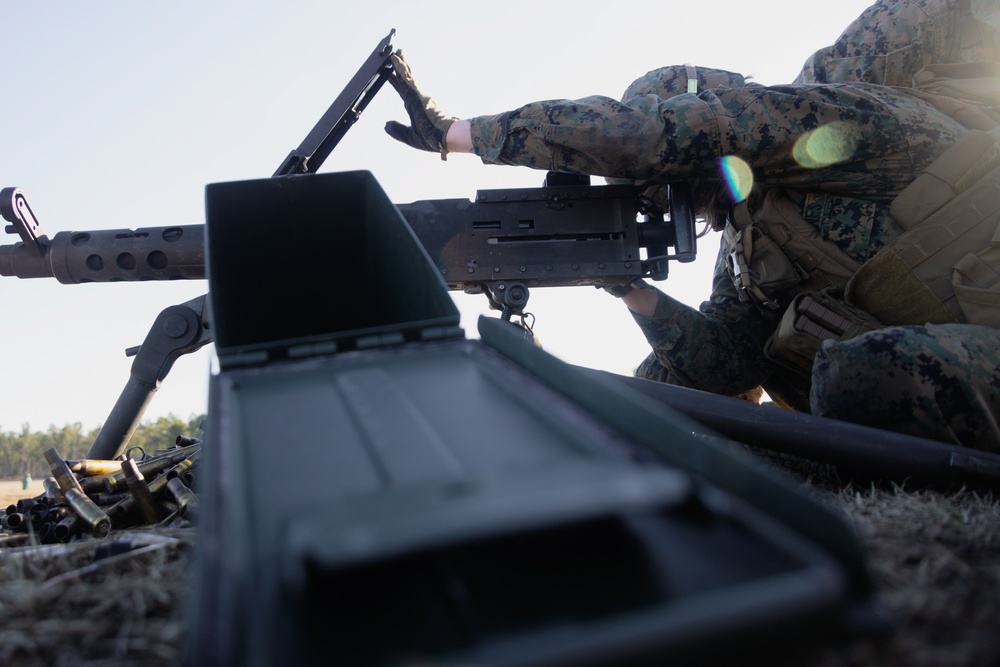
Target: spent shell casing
<point x="185" y="497"/>
<point x="68" y="528"/>
<point x="97" y="483"/>
<point x="16" y="522"/>
<point x="140" y="491"/>
<point x="88" y="510"/>
<point x="52" y="489"/>
<point x="64" y="476"/>
<point x="91" y="467"/>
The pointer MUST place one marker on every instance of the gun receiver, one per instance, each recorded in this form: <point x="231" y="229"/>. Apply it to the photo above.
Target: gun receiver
<point x="552" y="236"/>
<point x="506" y="241"/>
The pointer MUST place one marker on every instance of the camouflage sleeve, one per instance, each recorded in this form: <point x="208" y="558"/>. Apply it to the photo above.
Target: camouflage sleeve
<point x="599" y="136"/>
<point x="864" y="141"/>
<point x="716" y="348"/>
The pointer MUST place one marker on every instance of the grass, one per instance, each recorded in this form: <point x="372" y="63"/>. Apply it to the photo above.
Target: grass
<point x="934" y="557"/>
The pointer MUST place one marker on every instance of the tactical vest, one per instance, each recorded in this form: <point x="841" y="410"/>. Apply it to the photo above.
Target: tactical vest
<point x="944" y="268"/>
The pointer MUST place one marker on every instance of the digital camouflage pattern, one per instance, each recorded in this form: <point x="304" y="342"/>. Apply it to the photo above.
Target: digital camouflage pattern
<point x="892" y="41"/>
<point x="941" y="381"/>
<point x="880" y="137"/>
<point x="891" y="136"/>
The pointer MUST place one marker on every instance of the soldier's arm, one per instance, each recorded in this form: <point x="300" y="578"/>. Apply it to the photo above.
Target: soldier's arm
<point x="715" y="347"/>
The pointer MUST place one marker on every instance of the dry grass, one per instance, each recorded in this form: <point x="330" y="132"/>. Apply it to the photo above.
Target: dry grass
<point x="934" y="555"/>
<point x="61" y="606"/>
<point x="935" y="560"/>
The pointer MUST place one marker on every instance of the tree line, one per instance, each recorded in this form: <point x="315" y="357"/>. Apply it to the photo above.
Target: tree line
<point x="24" y="451"/>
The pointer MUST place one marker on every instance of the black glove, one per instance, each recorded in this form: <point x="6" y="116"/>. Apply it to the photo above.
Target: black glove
<point x="428" y="126"/>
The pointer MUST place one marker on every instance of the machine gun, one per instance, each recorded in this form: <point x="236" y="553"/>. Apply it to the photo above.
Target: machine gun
<point x="501" y="243"/>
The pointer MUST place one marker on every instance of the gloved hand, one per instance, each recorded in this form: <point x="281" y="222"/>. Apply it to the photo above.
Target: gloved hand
<point x="621" y="290"/>
<point x="428" y="126"/>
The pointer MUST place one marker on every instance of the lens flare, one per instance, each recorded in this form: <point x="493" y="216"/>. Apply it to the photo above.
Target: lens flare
<point x="737" y="176"/>
<point x="824" y="146"/>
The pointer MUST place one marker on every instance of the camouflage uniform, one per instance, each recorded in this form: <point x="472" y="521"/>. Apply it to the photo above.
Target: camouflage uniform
<point x="891" y="41"/>
<point x="658" y="133"/>
<point x="942" y="381"/>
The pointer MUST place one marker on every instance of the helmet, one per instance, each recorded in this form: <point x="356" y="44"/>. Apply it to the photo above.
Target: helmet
<point x="677" y="79"/>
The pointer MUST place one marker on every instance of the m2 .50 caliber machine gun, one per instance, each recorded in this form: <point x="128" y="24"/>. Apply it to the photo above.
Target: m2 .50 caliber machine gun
<point x="500" y="244"/>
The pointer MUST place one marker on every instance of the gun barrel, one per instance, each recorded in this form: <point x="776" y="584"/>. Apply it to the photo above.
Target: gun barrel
<point x="112" y="255"/>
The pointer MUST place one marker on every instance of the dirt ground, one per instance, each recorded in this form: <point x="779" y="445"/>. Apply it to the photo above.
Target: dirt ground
<point x="12" y="490"/>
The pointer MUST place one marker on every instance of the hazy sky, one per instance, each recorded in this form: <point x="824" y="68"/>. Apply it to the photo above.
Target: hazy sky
<point x="117" y="114"/>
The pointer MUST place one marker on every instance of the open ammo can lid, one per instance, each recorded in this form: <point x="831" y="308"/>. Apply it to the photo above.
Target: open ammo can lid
<point x="314" y="264"/>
